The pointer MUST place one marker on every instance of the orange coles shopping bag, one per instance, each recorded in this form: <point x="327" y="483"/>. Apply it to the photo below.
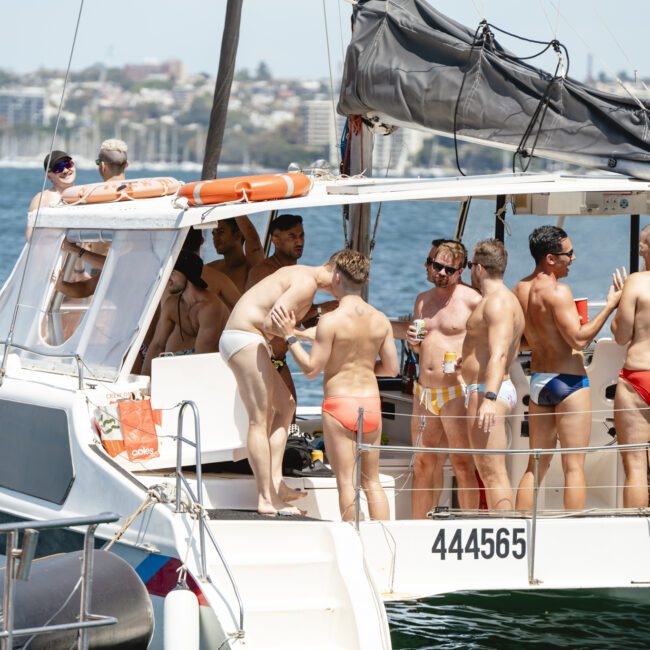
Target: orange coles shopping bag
<point x="138" y="429"/>
<point x="110" y="432"/>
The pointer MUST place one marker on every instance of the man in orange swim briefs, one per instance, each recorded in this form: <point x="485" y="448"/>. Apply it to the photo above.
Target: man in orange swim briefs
<point x="348" y="342"/>
<point x="631" y="415"/>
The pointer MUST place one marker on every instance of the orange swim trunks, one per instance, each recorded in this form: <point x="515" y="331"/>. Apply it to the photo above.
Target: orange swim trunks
<point x="346" y="410"/>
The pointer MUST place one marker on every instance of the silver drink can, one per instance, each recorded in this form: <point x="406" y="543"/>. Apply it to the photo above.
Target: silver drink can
<point x="420" y="329"/>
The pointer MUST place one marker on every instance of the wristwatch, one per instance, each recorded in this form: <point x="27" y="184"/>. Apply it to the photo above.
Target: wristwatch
<point x="491" y="396"/>
<point x="291" y="340"/>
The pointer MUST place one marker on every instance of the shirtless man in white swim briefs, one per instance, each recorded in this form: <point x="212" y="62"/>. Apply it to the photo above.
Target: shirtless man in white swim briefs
<point x="445" y="309"/>
<point x="268" y="402"/>
<point x="491" y="345"/>
<point x="353" y="344"/>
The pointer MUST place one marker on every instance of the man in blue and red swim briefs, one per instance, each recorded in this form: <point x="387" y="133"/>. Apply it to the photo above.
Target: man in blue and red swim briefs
<point x="632" y="402"/>
<point x="560" y="398"/>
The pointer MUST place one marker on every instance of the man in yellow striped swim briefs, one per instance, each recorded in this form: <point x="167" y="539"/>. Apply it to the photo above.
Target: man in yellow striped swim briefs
<point x="438" y="397"/>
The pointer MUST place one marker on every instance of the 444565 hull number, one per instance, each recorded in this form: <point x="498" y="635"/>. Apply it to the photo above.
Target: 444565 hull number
<point x="484" y="543"/>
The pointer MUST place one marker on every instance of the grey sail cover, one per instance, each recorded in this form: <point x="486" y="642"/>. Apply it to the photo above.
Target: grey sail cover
<point x="409" y="65"/>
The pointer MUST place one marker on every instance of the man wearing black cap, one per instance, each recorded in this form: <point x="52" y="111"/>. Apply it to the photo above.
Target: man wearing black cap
<point x="191" y="318"/>
<point x="61" y="173"/>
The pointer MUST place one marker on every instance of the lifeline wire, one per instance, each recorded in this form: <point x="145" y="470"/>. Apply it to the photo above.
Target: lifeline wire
<point x="329" y="65"/>
<point x="38" y="207"/>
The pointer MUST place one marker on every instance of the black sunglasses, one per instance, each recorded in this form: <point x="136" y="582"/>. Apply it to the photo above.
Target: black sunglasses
<point x="471" y="264"/>
<point x="569" y="254"/>
<point x="449" y="270"/>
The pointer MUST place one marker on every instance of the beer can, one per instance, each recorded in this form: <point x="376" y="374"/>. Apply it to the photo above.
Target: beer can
<point x="449" y="363"/>
<point x="420" y="330"/>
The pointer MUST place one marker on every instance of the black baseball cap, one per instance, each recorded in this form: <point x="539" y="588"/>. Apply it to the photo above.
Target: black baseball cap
<point x="191" y="265"/>
<point x="57" y="157"/>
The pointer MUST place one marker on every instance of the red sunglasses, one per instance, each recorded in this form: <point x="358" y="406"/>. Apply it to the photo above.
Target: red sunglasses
<point x="60" y="166"/>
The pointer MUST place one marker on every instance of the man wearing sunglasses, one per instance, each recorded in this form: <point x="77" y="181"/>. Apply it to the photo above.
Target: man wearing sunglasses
<point x="491" y="345"/>
<point x="560" y="398"/>
<point x="61" y="172"/>
<point x="438" y="397"/>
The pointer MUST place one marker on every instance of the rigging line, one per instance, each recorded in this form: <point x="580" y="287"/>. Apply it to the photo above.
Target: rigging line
<point x="373" y="239"/>
<point x="338" y="5"/>
<point x="479" y="12"/>
<point x="617" y="43"/>
<point x="481" y="26"/>
<point x="548" y="20"/>
<point x="329" y="65"/>
<point x="601" y="61"/>
<point x="557" y="19"/>
<point x="40" y="198"/>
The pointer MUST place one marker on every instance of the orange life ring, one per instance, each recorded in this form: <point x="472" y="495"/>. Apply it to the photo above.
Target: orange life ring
<point x="125" y="190"/>
<point x="264" y="187"/>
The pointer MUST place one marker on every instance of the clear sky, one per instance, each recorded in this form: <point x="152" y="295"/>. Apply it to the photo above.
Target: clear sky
<point x="290" y="34"/>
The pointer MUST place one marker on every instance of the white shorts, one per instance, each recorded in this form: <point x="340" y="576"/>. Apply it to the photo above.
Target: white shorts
<point x="232" y="341"/>
<point x="507" y="393"/>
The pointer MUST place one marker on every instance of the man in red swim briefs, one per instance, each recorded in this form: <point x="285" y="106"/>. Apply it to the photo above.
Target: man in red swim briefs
<point x="631" y="415"/>
<point x="348" y="342"/>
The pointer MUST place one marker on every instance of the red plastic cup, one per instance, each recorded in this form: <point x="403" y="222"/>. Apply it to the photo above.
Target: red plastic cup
<point x="582" y="305"/>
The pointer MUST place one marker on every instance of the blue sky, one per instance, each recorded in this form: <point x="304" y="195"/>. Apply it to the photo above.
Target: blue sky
<point x="290" y="34"/>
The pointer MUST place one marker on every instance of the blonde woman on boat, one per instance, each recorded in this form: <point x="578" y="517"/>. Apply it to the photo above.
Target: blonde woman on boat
<point x="348" y="342"/>
<point x="631" y="325"/>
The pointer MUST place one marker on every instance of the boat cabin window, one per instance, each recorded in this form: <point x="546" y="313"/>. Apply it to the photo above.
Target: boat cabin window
<point x="100" y="327"/>
<point x="75" y="279"/>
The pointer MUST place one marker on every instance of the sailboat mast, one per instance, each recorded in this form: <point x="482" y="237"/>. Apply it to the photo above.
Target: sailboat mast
<point x="361" y="147"/>
<point x="229" y="43"/>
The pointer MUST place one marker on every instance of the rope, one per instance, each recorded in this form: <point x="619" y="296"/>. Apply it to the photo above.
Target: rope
<point x="155" y="494"/>
<point x="40" y="198"/>
<point x="329" y="65"/>
<point x="499" y="214"/>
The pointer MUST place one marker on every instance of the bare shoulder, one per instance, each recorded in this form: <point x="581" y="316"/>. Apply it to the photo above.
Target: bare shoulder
<point x="637" y="282"/>
<point x="559" y="293"/>
<point x="522" y="288"/>
<point x="169" y="305"/>
<point x="469" y="295"/>
<point x="45" y="199"/>
<point x="301" y="275"/>
<point x="216" y="265"/>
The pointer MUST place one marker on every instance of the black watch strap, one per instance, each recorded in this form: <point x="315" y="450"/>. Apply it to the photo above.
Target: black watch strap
<point x="291" y="340"/>
<point x="491" y="396"/>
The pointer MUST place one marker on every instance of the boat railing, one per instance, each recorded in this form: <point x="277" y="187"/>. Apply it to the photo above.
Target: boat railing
<point x="197" y="502"/>
<point x="80" y="364"/>
<point x="535" y="453"/>
<point x="18" y="567"/>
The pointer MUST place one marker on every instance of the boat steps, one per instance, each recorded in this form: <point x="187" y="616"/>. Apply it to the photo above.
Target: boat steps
<point x="302" y="584"/>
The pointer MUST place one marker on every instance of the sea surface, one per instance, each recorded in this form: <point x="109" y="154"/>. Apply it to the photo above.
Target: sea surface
<point x="568" y="619"/>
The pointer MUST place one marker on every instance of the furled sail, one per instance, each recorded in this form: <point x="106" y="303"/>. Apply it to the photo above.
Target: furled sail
<point x="409" y="65"/>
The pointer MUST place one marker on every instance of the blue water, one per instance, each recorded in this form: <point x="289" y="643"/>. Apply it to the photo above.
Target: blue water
<point x="501" y="620"/>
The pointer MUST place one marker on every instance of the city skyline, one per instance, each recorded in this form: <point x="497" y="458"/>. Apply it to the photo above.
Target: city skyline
<point x="289" y="35"/>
